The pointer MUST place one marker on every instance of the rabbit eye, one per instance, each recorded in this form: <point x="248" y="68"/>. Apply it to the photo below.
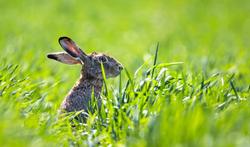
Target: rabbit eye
<point x="103" y="59"/>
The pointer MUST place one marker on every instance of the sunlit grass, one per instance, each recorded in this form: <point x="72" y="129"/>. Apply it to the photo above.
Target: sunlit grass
<point x="158" y="106"/>
<point x="190" y="89"/>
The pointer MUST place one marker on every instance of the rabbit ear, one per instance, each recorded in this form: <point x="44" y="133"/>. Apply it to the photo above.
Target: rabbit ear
<point x="71" y="48"/>
<point x="64" y="58"/>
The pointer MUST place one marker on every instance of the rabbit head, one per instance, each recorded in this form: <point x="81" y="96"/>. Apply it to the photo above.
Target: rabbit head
<point x="91" y="64"/>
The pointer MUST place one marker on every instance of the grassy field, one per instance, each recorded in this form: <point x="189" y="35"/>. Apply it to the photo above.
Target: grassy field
<point x="197" y="93"/>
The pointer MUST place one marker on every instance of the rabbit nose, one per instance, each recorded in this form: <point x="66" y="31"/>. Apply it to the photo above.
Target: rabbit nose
<point x="120" y="67"/>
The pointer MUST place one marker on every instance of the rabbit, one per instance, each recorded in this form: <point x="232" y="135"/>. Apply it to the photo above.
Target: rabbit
<point x="91" y="78"/>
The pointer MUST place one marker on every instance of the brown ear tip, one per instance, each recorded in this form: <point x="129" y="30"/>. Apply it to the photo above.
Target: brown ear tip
<point x="51" y="56"/>
<point x="63" y="37"/>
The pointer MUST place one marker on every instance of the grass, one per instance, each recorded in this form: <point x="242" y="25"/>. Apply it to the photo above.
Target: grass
<point x="190" y="89"/>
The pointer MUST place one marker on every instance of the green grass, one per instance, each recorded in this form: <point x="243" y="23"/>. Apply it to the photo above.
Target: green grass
<point x="194" y="93"/>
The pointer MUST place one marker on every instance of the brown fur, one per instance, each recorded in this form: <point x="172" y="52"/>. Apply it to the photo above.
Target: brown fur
<point x="80" y="95"/>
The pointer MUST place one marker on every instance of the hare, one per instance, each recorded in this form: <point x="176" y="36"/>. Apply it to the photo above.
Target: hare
<point x="91" y="79"/>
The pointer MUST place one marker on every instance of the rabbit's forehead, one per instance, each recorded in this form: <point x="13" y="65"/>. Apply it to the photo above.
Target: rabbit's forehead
<point x="98" y="55"/>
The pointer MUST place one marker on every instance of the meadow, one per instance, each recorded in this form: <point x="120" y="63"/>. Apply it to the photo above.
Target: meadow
<point x="186" y="80"/>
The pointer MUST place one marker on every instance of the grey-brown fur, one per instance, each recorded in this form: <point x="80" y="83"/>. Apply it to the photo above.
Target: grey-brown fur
<point x="91" y="75"/>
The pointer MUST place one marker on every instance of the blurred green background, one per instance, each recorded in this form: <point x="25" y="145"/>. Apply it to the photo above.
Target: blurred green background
<point x="191" y="31"/>
<point x="209" y="36"/>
